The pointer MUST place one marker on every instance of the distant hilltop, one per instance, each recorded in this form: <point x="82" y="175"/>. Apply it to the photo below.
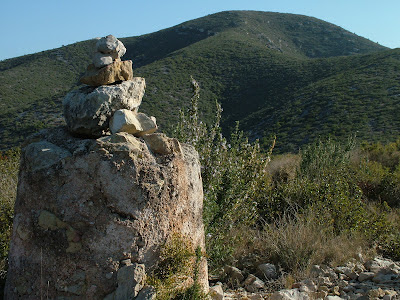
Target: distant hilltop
<point x="288" y="75"/>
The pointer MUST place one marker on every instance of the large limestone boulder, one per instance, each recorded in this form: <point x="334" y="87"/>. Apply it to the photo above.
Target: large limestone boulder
<point x="88" y="110"/>
<point x="112" y="72"/>
<point x="91" y="215"/>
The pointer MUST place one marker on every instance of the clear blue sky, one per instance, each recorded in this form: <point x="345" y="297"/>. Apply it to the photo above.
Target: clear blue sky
<point x="29" y="26"/>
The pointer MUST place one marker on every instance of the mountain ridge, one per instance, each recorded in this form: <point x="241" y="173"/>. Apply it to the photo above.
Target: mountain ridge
<point x="252" y="62"/>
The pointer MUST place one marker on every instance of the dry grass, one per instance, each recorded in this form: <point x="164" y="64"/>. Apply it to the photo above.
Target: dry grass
<point x="295" y="245"/>
<point x="9" y="165"/>
<point x="283" y="168"/>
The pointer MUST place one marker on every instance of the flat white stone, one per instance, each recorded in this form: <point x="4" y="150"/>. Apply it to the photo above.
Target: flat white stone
<point x="131" y="122"/>
<point x="101" y="60"/>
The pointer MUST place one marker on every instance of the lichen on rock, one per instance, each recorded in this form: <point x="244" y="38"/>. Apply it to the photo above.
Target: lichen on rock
<point x="113" y="200"/>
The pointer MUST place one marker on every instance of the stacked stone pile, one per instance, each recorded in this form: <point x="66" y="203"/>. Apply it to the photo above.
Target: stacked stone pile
<point x="107" y="66"/>
<point x="112" y="99"/>
<point x="98" y="199"/>
<point x="375" y="279"/>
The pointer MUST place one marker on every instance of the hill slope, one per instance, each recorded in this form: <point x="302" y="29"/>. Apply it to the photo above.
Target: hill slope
<point x="290" y="75"/>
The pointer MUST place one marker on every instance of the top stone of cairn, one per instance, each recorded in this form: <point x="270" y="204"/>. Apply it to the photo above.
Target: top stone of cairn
<point x="108" y="49"/>
<point x="107" y="67"/>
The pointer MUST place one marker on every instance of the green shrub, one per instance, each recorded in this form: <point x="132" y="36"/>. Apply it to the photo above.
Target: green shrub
<point x="234" y="174"/>
<point x="390" y="246"/>
<point x="377" y="170"/>
<point x="323" y="184"/>
<point x="176" y="276"/>
<point x="387" y="155"/>
<point x="325" y="158"/>
<point x="175" y="257"/>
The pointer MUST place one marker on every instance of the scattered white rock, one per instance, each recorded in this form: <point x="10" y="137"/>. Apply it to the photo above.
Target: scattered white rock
<point x="292" y="294"/>
<point x="308" y="285"/>
<point x="364" y="276"/>
<point x="234" y="273"/>
<point x="352" y="281"/>
<point x="333" y="298"/>
<point x="216" y="292"/>
<point x="382" y="278"/>
<point x="253" y="284"/>
<point x="377" y="264"/>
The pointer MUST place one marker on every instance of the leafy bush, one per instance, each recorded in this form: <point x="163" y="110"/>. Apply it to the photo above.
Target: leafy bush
<point x="234" y="175"/>
<point x="323" y="185"/>
<point x="378" y="172"/>
<point x="390" y="246"/>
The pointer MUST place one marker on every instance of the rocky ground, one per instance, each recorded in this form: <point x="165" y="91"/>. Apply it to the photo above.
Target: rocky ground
<point x="374" y="279"/>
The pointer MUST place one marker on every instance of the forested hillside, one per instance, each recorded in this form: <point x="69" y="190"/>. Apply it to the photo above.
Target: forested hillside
<point x="288" y="75"/>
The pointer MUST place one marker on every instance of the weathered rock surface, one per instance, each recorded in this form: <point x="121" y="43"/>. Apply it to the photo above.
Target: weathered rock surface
<point x="148" y="124"/>
<point x="101" y="60"/>
<point x="234" y="274"/>
<point x="130" y="280"/>
<point x="268" y="271"/>
<point x="216" y="292"/>
<point x="147" y="293"/>
<point x="116" y="71"/>
<point x="135" y="123"/>
<point x="91" y="214"/>
<point x="88" y="110"/>
<point x="111" y="45"/>
<point x="161" y="144"/>
<point x="290" y="294"/>
<point x="253" y="284"/>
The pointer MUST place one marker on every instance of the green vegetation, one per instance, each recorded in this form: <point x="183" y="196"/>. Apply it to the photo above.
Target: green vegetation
<point x="302" y="209"/>
<point x="287" y="75"/>
<point x="327" y="204"/>
<point x="179" y="262"/>
<point x="293" y="82"/>
<point x="9" y="166"/>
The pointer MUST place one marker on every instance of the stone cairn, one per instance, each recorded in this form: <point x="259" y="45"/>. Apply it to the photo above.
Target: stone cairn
<point x="93" y="110"/>
<point x="97" y="199"/>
